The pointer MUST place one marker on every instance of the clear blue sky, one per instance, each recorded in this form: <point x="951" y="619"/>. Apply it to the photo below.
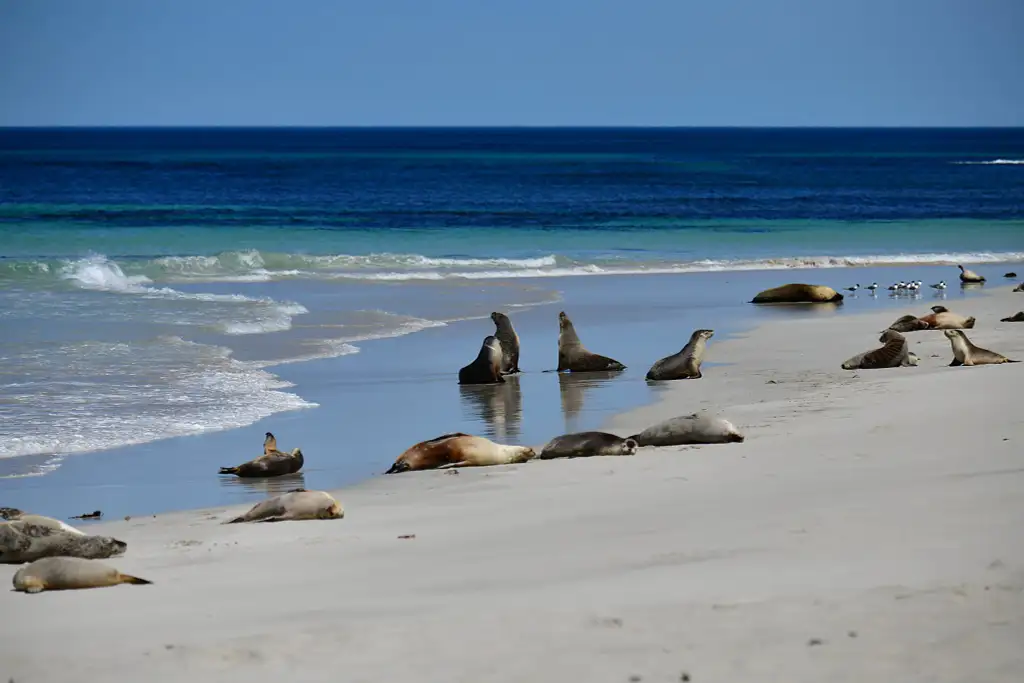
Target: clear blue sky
<point x="518" y="62"/>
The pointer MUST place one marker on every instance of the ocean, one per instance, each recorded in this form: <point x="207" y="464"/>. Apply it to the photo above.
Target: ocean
<point x="159" y="285"/>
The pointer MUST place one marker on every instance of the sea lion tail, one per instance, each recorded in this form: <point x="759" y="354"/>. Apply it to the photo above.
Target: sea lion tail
<point x="236" y="520"/>
<point x="228" y="470"/>
<point x="127" y="578"/>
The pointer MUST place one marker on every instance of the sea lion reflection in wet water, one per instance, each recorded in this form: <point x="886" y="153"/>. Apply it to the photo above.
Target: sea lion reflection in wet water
<point x="498" y="406"/>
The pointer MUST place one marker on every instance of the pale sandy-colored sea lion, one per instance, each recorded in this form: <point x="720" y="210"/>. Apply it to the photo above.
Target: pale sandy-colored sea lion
<point x="273" y="463"/>
<point x="587" y="444"/>
<point x="69" y="573"/>
<point x="908" y="323"/>
<point x="966" y="353"/>
<point x="16" y="515"/>
<point x="458" y="450"/>
<point x="575" y="357"/>
<point x="969" y="275"/>
<point x="1017" y="317"/>
<point x="22" y="541"/>
<point x="685" y="364"/>
<point x="698" y="428"/>
<point x="944" y="319"/>
<point x="506" y="334"/>
<point x="295" y="505"/>
<point x="798" y="294"/>
<point x="486" y="369"/>
<point x="894" y="353"/>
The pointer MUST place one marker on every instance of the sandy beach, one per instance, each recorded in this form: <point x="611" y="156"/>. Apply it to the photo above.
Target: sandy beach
<point x="868" y="529"/>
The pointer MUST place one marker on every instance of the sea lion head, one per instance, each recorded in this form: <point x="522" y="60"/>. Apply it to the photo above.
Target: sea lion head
<point x="498" y="318"/>
<point x="296" y="452"/>
<point x="114" y="547"/>
<point x="522" y="454"/>
<point x="969" y="323"/>
<point x="333" y="511"/>
<point x="563" y="320"/>
<point x="889" y="335"/>
<point x="953" y="334"/>
<point x="10" y="513"/>
<point x="629" y="447"/>
<point x="705" y="334"/>
<point x="399" y="466"/>
<point x="940" y="309"/>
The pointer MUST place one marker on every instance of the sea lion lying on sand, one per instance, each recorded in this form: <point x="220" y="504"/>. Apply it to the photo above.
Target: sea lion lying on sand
<point x="685" y="364"/>
<point x="587" y="444"/>
<point x="698" y="428"/>
<point x="22" y="541"/>
<point x="69" y="573"/>
<point x="798" y="294"/>
<point x="575" y="357"/>
<point x="893" y="354"/>
<point x="908" y="323"/>
<point x="1019" y="288"/>
<point x="486" y="368"/>
<point x="966" y="353"/>
<point x="458" y="450"/>
<point x="943" y="319"/>
<point x="273" y="463"/>
<point x="1017" y="317"/>
<point x="295" y="505"/>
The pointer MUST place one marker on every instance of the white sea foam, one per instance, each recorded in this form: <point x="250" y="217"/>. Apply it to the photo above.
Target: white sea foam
<point x="993" y="162"/>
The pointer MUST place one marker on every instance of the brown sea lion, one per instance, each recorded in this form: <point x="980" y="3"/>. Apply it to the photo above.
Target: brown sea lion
<point x="458" y="450"/>
<point x="269" y="443"/>
<point x="587" y="444"/>
<point x="273" y="463"/>
<point x="969" y="276"/>
<point x="685" y="364"/>
<point x="574" y="357"/>
<point x="1017" y="317"/>
<point x="944" y="319"/>
<point x="698" y="428"/>
<point x="506" y="334"/>
<point x="22" y="541"/>
<point x="486" y="369"/>
<point x="798" y="294"/>
<point x="966" y="353"/>
<point x="908" y="323"/>
<point x="296" y="505"/>
<point x="893" y="354"/>
<point x="69" y="573"/>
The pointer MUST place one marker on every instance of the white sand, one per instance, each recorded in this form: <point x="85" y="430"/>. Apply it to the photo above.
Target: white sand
<point x="879" y="512"/>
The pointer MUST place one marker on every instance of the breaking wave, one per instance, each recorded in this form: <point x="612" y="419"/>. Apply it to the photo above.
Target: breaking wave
<point x="993" y="162"/>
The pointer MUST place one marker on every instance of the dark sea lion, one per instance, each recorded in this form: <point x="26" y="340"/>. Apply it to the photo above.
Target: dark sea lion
<point x="969" y="276"/>
<point x="575" y="357"/>
<point x="22" y="541"/>
<point x="69" y="573"/>
<point x="908" y="323"/>
<point x="685" y="364"/>
<point x="293" y="506"/>
<point x="486" y="369"/>
<point x="273" y="463"/>
<point x="894" y="354"/>
<point x="698" y="428"/>
<point x="944" y="319"/>
<point x="1017" y="317"/>
<point x="966" y="353"/>
<point x="506" y="334"/>
<point x="798" y="294"/>
<point x="1010" y="275"/>
<point x="1019" y="288"/>
<point x="587" y="444"/>
<point x="458" y="450"/>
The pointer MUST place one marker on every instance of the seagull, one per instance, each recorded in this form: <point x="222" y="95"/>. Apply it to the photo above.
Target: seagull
<point x="941" y="285"/>
<point x="873" y="286"/>
<point x="854" y="288"/>
<point x="913" y="286"/>
<point x="896" y="287"/>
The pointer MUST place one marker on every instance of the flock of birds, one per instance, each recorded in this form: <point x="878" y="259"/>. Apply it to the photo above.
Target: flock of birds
<point x="912" y="287"/>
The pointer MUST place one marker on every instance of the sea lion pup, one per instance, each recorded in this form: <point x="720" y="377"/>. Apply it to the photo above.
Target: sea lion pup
<point x="22" y="541"/>
<point x="1017" y="317"/>
<point x="798" y="294"/>
<point x="16" y="515"/>
<point x="698" y="428"/>
<point x="586" y="444"/>
<point x="966" y="353"/>
<point x="908" y="323"/>
<point x="273" y="464"/>
<point x="969" y="276"/>
<point x="293" y="506"/>
<point x="943" y="319"/>
<point x="686" y="363"/>
<point x="486" y="369"/>
<point x="506" y="334"/>
<point x="458" y="450"/>
<point x="69" y="573"/>
<point x="574" y="356"/>
<point x="893" y="354"/>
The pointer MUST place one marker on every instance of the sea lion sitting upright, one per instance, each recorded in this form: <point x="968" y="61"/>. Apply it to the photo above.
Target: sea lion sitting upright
<point x="909" y="323"/>
<point x="698" y="428"/>
<point x="575" y="357"/>
<point x="458" y="450"/>
<point x="22" y="541"/>
<point x="969" y="276"/>
<point x="293" y="506"/>
<point x="942" y="318"/>
<point x="893" y="354"/>
<point x="686" y="363"/>
<point x="273" y="463"/>
<point x="798" y="294"/>
<point x="16" y="515"/>
<point x="69" y="573"/>
<point x="506" y="334"/>
<point x="966" y="353"/>
<point x="1017" y="317"/>
<point x="587" y="444"/>
<point x="486" y="369"/>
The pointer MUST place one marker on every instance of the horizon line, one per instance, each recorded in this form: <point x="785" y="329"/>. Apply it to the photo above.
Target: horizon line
<point x="495" y="127"/>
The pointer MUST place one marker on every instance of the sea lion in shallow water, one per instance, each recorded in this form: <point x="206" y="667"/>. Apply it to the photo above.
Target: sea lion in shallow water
<point x="969" y="276"/>
<point x="16" y="515"/>
<point x="293" y="506"/>
<point x="273" y="463"/>
<point x="575" y="357"/>
<point x="894" y="353"/>
<point x="506" y="334"/>
<point x="944" y="319"/>
<point x="909" y="323"/>
<point x="1010" y="275"/>
<point x="798" y="294"/>
<point x="685" y="364"/>
<point x="587" y="444"/>
<point x="69" y="573"/>
<point x="22" y="541"/>
<point x="486" y="369"/>
<point x="1017" y="317"/>
<point x="458" y="450"/>
<point x="966" y="353"/>
<point x="698" y="428"/>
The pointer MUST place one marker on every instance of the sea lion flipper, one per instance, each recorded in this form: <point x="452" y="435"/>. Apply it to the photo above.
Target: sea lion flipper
<point x="954" y="363"/>
<point x="461" y="463"/>
<point x="228" y="470"/>
<point x="126" y="578"/>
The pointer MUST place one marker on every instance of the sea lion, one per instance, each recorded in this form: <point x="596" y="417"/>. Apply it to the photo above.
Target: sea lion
<point x="944" y="319"/>
<point x="908" y="323"/>
<point x="894" y="353"/>
<point x="293" y="506"/>
<point x="458" y="450"/>
<point x="273" y="463"/>
<point x="506" y="334"/>
<point x="22" y="541"/>
<point x="16" y="515"/>
<point x="1019" y="288"/>
<point x="698" y="428"/>
<point x="69" y="573"/>
<point x="969" y="276"/>
<point x="586" y="444"/>
<point x="269" y="443"/>
<point x="1017" y="317"/>
<point x="486" y="369"/>
<point x="575" y="357"/>
<point x="1010" y="275"/>
<point x="686" y="363"/>
<point x="966" y="353"/>
<point x="798" y="294"/>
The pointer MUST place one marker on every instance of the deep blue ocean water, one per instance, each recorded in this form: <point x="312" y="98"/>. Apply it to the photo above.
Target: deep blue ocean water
<point x="152" y="282"/>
